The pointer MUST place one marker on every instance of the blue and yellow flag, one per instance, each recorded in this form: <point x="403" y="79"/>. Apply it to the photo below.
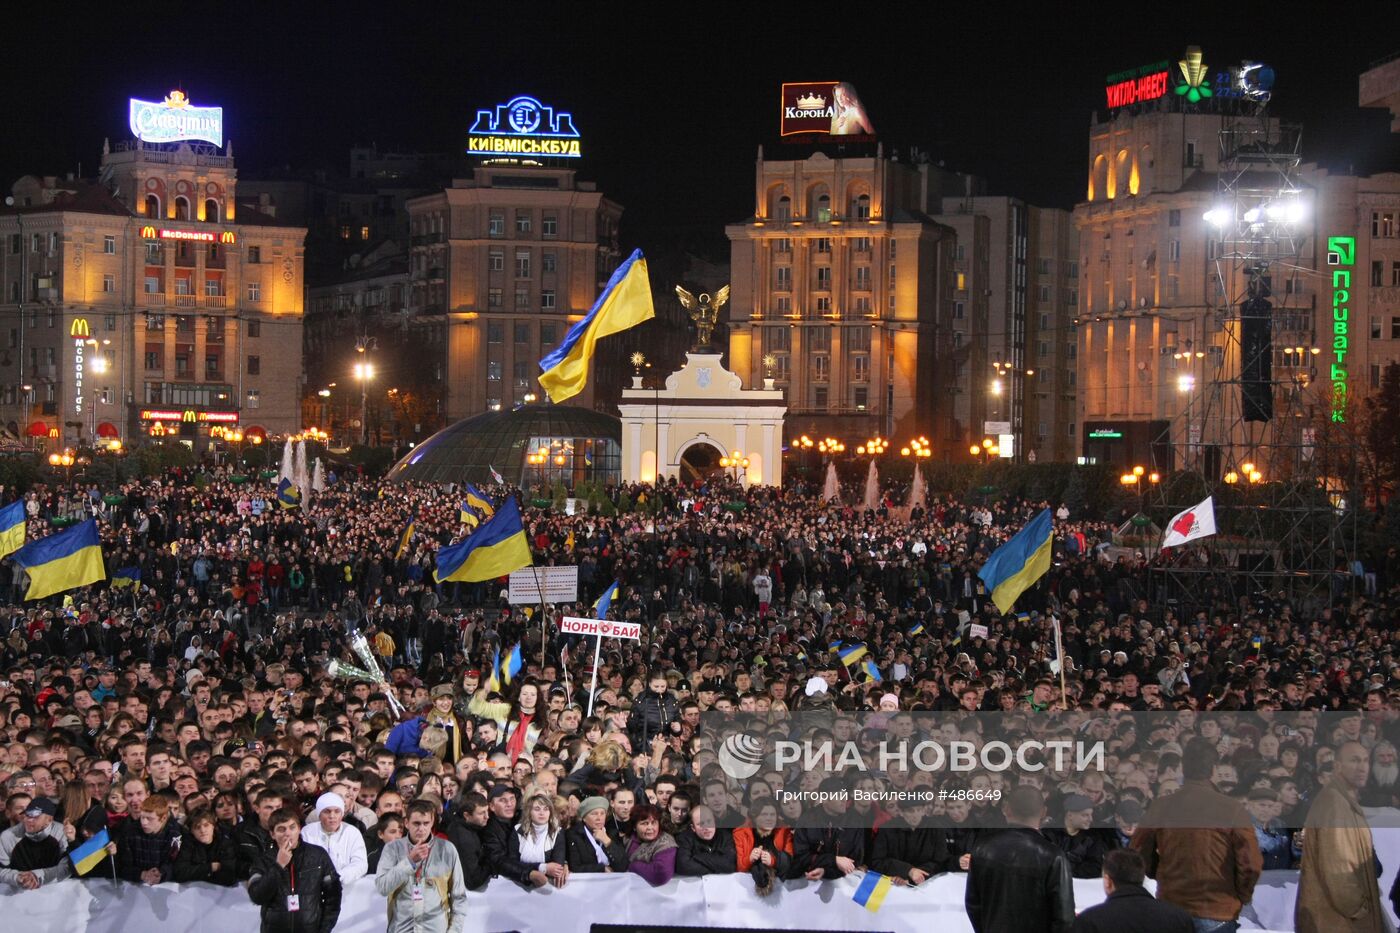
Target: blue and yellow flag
<point x="625" y="302"/>
<point x="288" y="496"/>
<point x="71" y="558"/>
<point x="603" y="603"/>
<point x="917" y="628"/>
<point x="12" y="527"/>
<point x="90" y="854"/>
<point x="468" y="515"/>
<point x="477" y="500"/>
<point x="850" y="654"/>
<point x="494" y="550"/>
<point x="126" y="576"/>
<point x="1015" y="566"/>
<point x="872" y="890"/>
<point x="835" y="647"/>
<point x="493" y="683"/>
<point x="871" y="671"/>
<point x="512" y="666"/>
<point x="405" y="539"/>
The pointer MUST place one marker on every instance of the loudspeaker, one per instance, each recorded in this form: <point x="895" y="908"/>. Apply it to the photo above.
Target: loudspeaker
<point x="1256" y="359"/>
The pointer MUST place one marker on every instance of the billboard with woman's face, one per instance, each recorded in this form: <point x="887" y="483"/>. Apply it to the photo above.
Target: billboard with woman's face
<point x="829" y="108"/>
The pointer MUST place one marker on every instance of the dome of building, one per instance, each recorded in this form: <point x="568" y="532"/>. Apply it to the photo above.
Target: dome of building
<point x="526" y="445"/>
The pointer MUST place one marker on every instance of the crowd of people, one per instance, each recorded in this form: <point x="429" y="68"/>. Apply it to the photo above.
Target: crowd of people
<point x="189" y="717"/>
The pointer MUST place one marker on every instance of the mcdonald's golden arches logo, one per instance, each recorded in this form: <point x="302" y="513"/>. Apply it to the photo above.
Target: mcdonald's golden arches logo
<point x="226" y="237"/>
<point x="80" y="328"/>
<point x="148" y="232"/>
<point x="189" y="416"/>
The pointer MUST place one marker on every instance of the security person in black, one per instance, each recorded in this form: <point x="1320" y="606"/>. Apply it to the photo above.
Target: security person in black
<point x="297" y="887"/>
<point x="1019" y="880"/>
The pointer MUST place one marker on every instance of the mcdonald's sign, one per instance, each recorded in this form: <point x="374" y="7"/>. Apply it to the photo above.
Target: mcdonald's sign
<point x="227" y="237"/>
<point x="80" y="328"/>
<point x="148" y="232"/>
<point x="189" y="417"/>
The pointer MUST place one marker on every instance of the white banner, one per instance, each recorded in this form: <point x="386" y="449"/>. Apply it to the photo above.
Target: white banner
<point x="573" y="625"/>
<point x="104" y="906"/>
<point x="560" y="585"/>
<point x="977" y="631"/>
<point x="1196" y="522"/>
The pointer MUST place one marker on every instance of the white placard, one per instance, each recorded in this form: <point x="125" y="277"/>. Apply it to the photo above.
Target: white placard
<point x="604" y="628"/>
<point x="560" y="585"/>
<point x="977" y="631"/>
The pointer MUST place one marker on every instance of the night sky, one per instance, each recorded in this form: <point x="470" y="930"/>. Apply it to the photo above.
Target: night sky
<point x="672" y="100"/>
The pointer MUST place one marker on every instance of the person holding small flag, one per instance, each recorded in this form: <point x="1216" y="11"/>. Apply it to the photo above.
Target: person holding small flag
<point x="32" y="852"/>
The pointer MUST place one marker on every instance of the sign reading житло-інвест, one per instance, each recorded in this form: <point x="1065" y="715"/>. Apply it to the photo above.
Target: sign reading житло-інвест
<point x="1341" y="251"/>
<point x="524" y="127"/>
<point x="175" y="119"/>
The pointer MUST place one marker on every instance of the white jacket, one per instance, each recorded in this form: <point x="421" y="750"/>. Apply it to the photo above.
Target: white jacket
<point x="346" y="847"/>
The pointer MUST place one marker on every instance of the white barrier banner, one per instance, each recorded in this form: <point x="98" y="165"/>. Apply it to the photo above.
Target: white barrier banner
<point x="104" y="906"/>
<point x="605" y="628"/>
<point x="559" y="585"/>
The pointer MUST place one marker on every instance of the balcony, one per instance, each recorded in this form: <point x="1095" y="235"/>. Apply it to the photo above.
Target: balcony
<point x="426" y="239"/>
<point x="214" y="301"/>
<point x="152" y="299"/>
<point x="186" y="301"/>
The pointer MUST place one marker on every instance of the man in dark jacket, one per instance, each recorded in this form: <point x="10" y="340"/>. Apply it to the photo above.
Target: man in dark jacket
<point x="906" y="851"/>
<point x="252" y="838"/>
<point x="1018" y="879"/>
<point x="502" y="844"/>
<point x="656" y="713"/>
<point x="297" y="887"/>
<point x="1084" y="846"/>
<point x="704" y="851"/>
<point x="464" y="832"/>
<point x="834" y="850"/>
<point x="1130" y="908"/>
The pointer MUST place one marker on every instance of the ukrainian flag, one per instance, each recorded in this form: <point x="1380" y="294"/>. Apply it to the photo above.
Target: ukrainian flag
<point x="288" y="496"/>
<point x="476" y="499"/>
<point x="498" y="547"/>
<point x="493" y="683"/>
<point x="127" y="576"/>
<point x="90" y="854"/>
<point x="625" y="302"/>
<point x="834" y="647"/>
<point x="917" y="628"/>
<point x="512" y="666"/>
<point x="12" y="526"/>
<point x="468" y="517"/>
<point x="872" y="890"/>
<point x="871" y="671"/>
<point x="604" y="602"/>
<point x="63" y="561"/>
<point x="1015" y="566"/>
<point x="404" y="540"/>
<point x="850" y="654"/>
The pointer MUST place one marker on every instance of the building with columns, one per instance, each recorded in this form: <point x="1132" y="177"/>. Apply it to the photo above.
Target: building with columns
<point x="144" y="302"/>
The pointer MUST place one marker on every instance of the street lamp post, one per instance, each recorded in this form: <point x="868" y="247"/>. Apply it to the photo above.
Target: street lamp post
<point x="364" y="372"/>
<point x="98" y="367"/>
<point x="737" y="462"/>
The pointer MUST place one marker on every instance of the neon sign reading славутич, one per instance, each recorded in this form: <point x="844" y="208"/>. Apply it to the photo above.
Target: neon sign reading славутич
<point x="175" y="119"/>
<point x="1341" y="251"/>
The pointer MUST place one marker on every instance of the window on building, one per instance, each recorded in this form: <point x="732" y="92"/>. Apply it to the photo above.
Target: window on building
<point x="957" y="338"/>
<point x="1045" y="291"/>
<point x="255" y="291"/>
<point x="1382" y="223"/>
<point x="109" y="322"/>
<point x="254" y="365"/>
<point x="51" y="318"/>
<point x="961" y="282"/>
<point x="497" y="261"/>
<point x="959" y="310"/>
<point x="777" y="338"/>
<point x="1042" y="349"/>
<point x="860" y="207"/>
<point x="824" y="304"/>
<point x="782" y="304"/>
<point x="1043" y="266"/>
<point x="522" y="299"/>
<point x="860" y="397"/>
<point x="182" y="364"/>
<point x="16" y="243"/>
<point x="821" y="397"/>
<point x="1174" y="251"/>
<point x="182" y="285"/>
<point x="155" y="357"/>
<point x="1173" y="218"/>
<point x="823" y="209"/>
<point x="549" y="226"/>
<point x="782" y="278"/>
<point x="493" y="297"/>
<point x="211" y="366"/>
<point x="863" y="278"/>
<point x="1394" y="273"/>
<point x="1375" y="328"/>
<point x="862" y="305"/>
<point x="496" y="225"/>
<point x="818" y="339"/>
<point x="824" y="278"/>
<point x="109" y="282"/>
<point x="109" y="244"/>
<point x="155" y="322"/>
<point x="548" y="335"/>
<point x="522" y="333"/>
<point x="1395" y="327"/>
<point x="521" y="373"/>
<point x="860" y="367"/>
<point x="781" y="367"/>
<point x="522" y="264"/>
<point x="255" y="328"/>
<point x="783" y="210"/>
<point x="547" y="300"/>
<point x="345" y="231"/>
<point x="213" y="288"/>
<point x="493" y="370"/>
<point x="364" y="233"/>
<point x="547" y="261"/>
<point x="821" y="367"/>
<point x="823" y="244"/>
<point x="254" y="255"/>
<point x="522" y="222"/>
<point x="495" y="332"/>
<point x="1071" y="429"/>
<point x="861" y="244"/>
<point x="1375" y="376"/>
<point x="1377" y="273"/>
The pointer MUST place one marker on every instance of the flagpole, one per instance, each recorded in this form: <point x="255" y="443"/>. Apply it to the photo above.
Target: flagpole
<point x="1060" y="656"/>
<point x="597" y="651"/>
<point x="544" y="617"/>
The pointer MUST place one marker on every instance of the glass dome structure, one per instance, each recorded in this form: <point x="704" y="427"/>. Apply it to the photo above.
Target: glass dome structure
<point x="526" y="445"/>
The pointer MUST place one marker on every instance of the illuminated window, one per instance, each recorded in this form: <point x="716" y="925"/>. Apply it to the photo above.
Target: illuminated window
<point x="962" y="281"/>
<point x="493" y="371"/>
<point x="364" y="233"/>
<point x="496" y="226"/>
<point x="155" y="322"/>
<point x="823" y="212"/>
<point x="345" y="231"/>
<point x="860" y="397"/>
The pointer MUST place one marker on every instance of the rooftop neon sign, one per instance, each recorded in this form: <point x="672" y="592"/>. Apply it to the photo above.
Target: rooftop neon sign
<point x="524" y="126"/>
<point x="175" y="119"/>
<point x="1341" y="251"/>
<point x="1138" y="85"/>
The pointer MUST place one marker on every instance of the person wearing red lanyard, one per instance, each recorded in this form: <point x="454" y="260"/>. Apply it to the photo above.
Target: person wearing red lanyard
<point x="296" y="885"/>
<point x="421" y="875"/>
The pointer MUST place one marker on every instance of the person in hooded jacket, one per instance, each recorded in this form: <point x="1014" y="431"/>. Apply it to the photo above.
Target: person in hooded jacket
<point x="207" y="852"/>
<point x="907" y="851"/>
<point x="701" y="849"/>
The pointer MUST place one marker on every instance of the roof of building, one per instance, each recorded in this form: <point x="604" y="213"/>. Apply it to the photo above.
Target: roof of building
<point x="467" y="451"/>
<point x="84" y="195"/>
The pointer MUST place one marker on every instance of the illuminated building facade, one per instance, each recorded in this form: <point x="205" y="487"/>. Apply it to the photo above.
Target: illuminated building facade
<point x="145" y="301"/>
<point x="847" y="284"/>
<point x="501" y="265"/>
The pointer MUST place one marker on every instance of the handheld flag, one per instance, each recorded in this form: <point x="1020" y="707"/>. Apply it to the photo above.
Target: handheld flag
<point x="850" y="654"/>
<point x="494" y="681"/>
<point x="1196" y="522"/>
<point x="288" y="495"/>
<point x="569" y="541"/>
<point x="476" y="499"/>
<point x="604" y="602"/>
<point x="126" y="576"/>
<point x="1015" y="566"/>
<point x="496" y="478"/>
<point x="625" y="302"/>
<point x="512" y="665"/>
<point x="498" y="547"/>
<point x="467" y="515"/>
<point x="871" y="671"/>
<point x="71" y="558"/>
<point x="872" y="890"/>
<point x="917" y="628"/>
<point x="834" y="647"/>
<point x="405" y="539"/>
<point x="12" y="527"/>
<point x="90" y="854"/>
<point x="1058" y="664"/>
